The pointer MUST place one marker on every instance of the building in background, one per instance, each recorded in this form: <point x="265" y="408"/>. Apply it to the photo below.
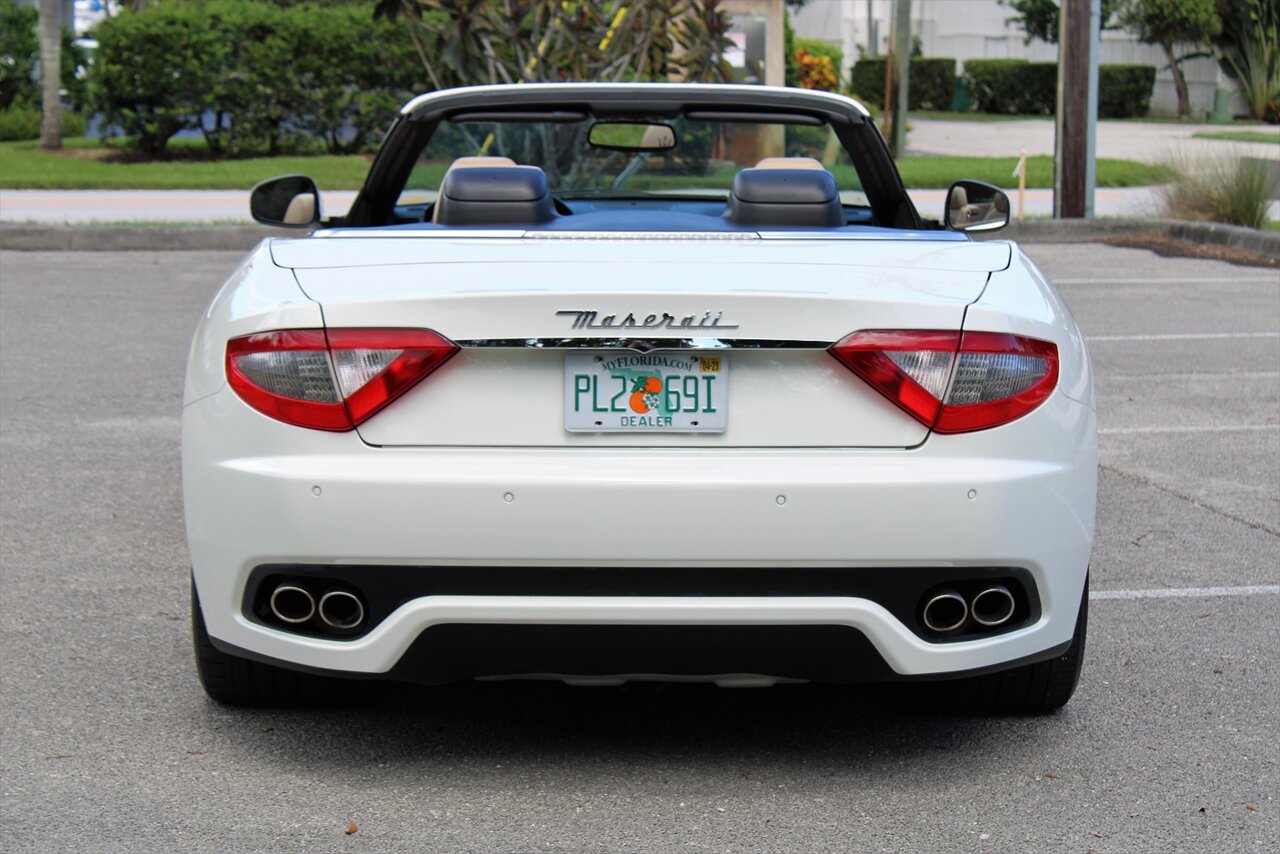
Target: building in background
<point x="981" y="29"/>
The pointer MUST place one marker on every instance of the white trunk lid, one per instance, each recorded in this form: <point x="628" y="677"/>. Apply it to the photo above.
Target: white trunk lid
<point x="515" y="304"/>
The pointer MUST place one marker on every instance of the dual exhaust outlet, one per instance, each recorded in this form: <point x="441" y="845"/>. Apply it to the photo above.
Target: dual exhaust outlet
<point x="946" y="610"/>
<point x="338" y="609"/>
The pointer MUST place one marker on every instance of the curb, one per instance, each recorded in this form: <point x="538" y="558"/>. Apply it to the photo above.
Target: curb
<point x="1264" y="243"/>
<point x="85" y="238"/>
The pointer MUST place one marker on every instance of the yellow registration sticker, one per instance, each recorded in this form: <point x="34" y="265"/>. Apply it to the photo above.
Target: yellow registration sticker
<point x="709" y="364"/>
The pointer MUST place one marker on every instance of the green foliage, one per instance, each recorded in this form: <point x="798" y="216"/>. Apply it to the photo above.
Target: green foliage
<point x="1124" y="91"/>
<point x="1170" y="22"/>
<point x="1231" y="189"/>
<point x="1012" y="86"/>
<point x="252" y="77"/>
<point x="465" y="42"/>
<point x="1250" y="48"/>
<point x="791" y="68"/>
<point x="818" y="47"/>
<point x="23" y="122"/>
<point x="1039" y="18"/>
<point x="19" y="50"/>
<point x="1018" y="87"/>
<point x="20" y="55"/>
<point x="930" y="87"/>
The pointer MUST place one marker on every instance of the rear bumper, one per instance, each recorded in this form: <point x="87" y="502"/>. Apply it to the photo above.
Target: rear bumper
<point x="259" y="492"/>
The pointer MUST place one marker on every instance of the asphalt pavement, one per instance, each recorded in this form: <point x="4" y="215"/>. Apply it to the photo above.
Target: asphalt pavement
<point x="107" y="742"/>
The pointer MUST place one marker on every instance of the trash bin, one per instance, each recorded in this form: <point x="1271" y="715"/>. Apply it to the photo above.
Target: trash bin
<point x="960" y="100"/>
<point x="1221" y="106"/>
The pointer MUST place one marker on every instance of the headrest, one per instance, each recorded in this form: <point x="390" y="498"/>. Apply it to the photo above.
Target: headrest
<point x="785" y="197"/>
<point x="494" y="195"/>
<point x="477" y="162"/>
<point x="789" y="163"/>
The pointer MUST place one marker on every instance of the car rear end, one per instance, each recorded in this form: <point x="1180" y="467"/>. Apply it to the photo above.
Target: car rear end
<point x="738" y="460"/>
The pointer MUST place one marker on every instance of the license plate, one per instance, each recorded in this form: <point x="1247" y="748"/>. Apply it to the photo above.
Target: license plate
<point x="669" y="391"/>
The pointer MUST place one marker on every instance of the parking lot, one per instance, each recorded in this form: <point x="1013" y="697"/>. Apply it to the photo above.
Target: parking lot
<point x="108" y="743"/>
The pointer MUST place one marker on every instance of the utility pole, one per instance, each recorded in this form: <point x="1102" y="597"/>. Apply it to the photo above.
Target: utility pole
<point x="1079" y="31"/>
<point x="901" y="56"/>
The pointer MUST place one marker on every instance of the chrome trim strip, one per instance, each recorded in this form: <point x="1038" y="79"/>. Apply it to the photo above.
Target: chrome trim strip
<point x="641" y="235"/>
<point x="642" y="345"/>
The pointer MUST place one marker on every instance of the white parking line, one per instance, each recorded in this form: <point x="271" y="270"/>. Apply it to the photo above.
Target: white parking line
<point x="1215" y="280"/>
<point x="1228" y="428"/>
<point x="1186" y="592"/>
<point x="1183" y="336"/>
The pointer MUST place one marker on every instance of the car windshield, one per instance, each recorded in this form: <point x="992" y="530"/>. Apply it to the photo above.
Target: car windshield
<point x="702" y="162"/>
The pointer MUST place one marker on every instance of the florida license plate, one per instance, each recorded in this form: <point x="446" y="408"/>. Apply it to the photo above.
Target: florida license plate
<point x="668" y="391"/>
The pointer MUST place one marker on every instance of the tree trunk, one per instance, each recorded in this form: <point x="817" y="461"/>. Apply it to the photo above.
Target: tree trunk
<point x="51" y="73"/>
<point x="1179" y="82"/>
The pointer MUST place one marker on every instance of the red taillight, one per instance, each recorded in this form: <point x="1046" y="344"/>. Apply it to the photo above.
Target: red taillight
<point x="953" y="382"/>
<point x="290" y="375"/>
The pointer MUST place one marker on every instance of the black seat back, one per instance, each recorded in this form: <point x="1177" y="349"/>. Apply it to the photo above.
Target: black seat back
<point x="495" y="195"/>
<point x="785" y="197"/>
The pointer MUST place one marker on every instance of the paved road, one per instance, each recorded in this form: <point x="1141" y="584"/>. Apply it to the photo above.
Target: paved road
<point x="107" y="743"/>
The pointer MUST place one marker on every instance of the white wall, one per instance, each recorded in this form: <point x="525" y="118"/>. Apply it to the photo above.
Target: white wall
<point x="978" y="29"/>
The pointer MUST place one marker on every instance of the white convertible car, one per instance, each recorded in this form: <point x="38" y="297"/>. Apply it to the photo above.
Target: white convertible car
<point x="606" y="382"/>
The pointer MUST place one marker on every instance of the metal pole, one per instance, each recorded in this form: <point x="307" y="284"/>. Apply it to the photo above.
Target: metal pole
<point x="1091" y="119"/>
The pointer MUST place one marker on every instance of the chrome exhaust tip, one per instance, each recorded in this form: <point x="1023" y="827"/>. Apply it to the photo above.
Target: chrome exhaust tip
<point x="945" y="611"/>
<point x="341" y="610"/>
<point x="993" y="606"/>
<point x="292" y="604"/>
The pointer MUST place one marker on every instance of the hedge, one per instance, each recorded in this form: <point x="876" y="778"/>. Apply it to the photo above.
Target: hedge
<point x="1018" y="87"/>
<point x="1124" y="91"/>
<point x="21" y="122"/>
<point x="931" y="85"/>
<point x="1012" y="86"/>
<point x="252" y="77"/>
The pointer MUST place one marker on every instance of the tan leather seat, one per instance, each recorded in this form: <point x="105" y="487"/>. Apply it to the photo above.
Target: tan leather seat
<point x="789" y="163"/>
<point x="477" y="162"/>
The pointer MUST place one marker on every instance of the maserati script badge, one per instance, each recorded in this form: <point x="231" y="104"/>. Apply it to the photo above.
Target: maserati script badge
<point x="592" y="320"/>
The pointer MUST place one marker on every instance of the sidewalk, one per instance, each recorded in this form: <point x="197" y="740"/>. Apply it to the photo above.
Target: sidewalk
<point x="1148" y="142"/>
<point x="211" y="206"/>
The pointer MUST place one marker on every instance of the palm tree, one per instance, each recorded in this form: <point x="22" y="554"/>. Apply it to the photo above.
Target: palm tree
<point x="51" y="73"/>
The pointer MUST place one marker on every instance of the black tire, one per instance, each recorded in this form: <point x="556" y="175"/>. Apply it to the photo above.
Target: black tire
<point x="1030" y="689"/>
<point x="235" y="681"/>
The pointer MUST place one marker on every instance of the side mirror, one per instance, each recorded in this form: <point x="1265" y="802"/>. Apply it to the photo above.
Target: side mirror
<point x="291" y="201"/>
<point x="975" y="206"/>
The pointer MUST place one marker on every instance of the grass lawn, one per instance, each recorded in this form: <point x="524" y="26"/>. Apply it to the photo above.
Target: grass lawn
<point x="929" y="172"/>
<point x="23" y="165"/>
<point x="1241" y="135"/>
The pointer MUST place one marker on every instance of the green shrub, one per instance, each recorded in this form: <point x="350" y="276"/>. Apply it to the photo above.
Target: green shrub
<point x="1012" y="86"/>
<point x="1124" y="91"/>
<point x="931" y="85"/>
<point x="23" y="122"/>
<point x="19" y="50"/>
<point x="1018" y="87"/>
<point x="20" y="55"/>
<point x="253" y="77"/>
